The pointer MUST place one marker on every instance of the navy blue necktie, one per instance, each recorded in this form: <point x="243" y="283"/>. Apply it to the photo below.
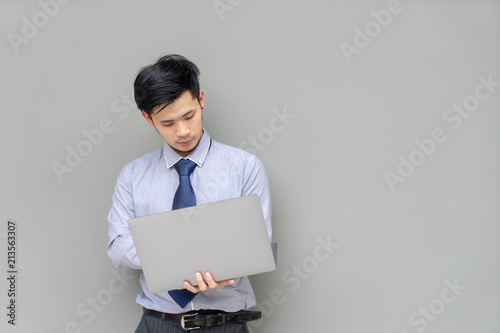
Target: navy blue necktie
<point x="184" y="197"/>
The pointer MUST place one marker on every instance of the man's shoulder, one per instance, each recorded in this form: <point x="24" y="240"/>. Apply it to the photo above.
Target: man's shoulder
<point x="145" y="160"/>
<point x="230" y="151"/>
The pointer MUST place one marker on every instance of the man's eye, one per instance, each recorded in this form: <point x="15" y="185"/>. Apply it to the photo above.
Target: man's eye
<point x="167" y="124"/>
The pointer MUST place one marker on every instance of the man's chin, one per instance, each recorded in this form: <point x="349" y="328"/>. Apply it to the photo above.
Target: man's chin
<point x="185" y="150"/>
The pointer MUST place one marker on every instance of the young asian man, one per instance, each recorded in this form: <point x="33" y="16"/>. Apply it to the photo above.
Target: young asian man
<point x="169" y="96"/>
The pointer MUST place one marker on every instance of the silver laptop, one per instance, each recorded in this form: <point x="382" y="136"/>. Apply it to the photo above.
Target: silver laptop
<point x="227" y="238"/>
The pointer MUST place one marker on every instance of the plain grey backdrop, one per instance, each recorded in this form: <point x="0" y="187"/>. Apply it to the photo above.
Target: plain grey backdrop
<point x="377" y="122"/>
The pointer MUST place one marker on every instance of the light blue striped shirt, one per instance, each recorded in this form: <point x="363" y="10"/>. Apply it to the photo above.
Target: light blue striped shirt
<point x="147" y="186"/>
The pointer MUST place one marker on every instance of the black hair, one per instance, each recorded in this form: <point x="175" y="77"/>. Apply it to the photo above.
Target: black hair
<point x="164" y="81"/>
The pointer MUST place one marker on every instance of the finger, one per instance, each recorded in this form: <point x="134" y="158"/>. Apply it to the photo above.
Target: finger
<point x="216" y="284"/>
<point x="210" y="280"/>
<point x="201" y="283"/>
<point x="191" y="288"/>
<point x="224" y="282"/>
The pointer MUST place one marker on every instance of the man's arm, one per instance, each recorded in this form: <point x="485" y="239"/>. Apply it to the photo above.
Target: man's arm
<point x="255" y="182"/>
<point x="121" y="247"/>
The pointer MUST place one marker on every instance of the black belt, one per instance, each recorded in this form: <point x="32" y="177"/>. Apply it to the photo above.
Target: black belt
<point x="194" y="320"/>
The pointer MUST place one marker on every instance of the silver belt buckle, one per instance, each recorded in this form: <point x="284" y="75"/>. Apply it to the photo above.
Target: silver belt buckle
<point x="186" y="319"/>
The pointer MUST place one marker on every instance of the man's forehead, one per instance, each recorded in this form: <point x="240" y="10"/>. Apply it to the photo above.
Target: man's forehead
<point x="185" y="97"/>
<point x="157" y="109"/>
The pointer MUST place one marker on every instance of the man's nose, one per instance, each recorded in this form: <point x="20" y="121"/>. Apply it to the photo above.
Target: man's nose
<point x="182" y="129"/>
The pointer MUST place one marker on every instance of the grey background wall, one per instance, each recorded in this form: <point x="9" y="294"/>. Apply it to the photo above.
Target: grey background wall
<point x="377" y="122"/>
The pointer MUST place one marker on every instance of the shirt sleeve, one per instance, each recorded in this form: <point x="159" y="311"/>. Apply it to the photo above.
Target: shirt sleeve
<point x="121" y="249"/>
<point x="255" y="182"/>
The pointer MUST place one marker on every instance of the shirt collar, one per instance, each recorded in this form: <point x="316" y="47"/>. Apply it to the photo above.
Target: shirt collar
<point x="198" y="154"/>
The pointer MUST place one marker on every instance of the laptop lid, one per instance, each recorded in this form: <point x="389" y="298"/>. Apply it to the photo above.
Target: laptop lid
<point x="227" y="238"/>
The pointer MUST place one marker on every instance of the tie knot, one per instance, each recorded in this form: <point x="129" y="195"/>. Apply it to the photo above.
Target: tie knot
<point x="184" y="167"/>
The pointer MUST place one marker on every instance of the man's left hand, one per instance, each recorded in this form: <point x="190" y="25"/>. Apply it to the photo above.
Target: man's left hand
<point x="207" y="283"/>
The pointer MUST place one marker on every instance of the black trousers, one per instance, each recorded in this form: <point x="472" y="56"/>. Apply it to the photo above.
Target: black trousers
<point x="150" y="324"/>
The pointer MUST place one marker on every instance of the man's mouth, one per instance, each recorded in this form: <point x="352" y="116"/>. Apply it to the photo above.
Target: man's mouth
<point x="186" y="142"/>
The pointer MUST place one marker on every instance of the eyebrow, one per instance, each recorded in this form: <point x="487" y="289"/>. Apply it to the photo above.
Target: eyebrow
<point x="170" y="120"/>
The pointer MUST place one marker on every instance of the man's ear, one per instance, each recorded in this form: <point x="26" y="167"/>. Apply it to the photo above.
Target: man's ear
<point x="148" y="118"/>
<point x="201" y="98"/>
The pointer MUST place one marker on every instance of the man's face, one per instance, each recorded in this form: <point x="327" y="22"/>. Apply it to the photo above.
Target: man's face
<point x="179" y="123"/>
